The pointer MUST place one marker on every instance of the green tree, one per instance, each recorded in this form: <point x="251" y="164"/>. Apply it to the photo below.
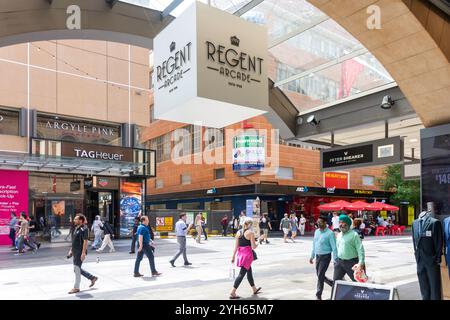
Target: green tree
<point x="404" y="190"/>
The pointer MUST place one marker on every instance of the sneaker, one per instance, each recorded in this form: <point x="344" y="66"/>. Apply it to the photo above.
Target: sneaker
<point x="187" y="264"/>
<point x="172" y="263"/>
<point x="155" y="274"/>
<point x="39" y="245"/>
<point x="136" y="275"/>
<point x="98" y="251"/>
<point x="132" y="252"/>
<point x="93" y="282"/>
<point x="111" y="251"/>
<point x="18" y="254"/>
<point x="267" y="242"/>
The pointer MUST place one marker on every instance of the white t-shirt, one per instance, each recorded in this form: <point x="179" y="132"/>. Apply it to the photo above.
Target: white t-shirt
<point x="362" y="226"/>
<point x="335" y="222"/>
<point x="242" y="220"/>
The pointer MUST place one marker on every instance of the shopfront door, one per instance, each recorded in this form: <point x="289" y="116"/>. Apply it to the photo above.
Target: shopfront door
<point x="105" y="204"/>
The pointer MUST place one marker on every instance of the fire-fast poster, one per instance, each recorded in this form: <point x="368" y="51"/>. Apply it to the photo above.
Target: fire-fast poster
<point x="248" y="153"/>
<point x="131" y="194"/>
<point x="13" y="198"/>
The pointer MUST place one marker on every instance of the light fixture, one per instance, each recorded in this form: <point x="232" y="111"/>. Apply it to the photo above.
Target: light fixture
<point x="312" y="120"/>
<point x="387" y="102"/>
<point x="413" y="140"/>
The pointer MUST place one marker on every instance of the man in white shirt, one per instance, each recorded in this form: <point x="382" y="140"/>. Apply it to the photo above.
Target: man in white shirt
<point x="335" y="222"/>
<point x="181" y="230"/>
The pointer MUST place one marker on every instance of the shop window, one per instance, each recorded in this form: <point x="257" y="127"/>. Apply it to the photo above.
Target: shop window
<point x="159" y="183"/>
<point x="157" y="206"/>
<point x="368" y="180"/>
<point x="9" y="122"/>
<point x="213" y="138"/>
<point x="285" y="173"/>
<point x="219" y="173"/>
<point x="189" y="206"/>
<point x="185" y="179"/>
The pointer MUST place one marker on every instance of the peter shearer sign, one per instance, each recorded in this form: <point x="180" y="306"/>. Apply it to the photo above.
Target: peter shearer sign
<point x="209" y="74"/>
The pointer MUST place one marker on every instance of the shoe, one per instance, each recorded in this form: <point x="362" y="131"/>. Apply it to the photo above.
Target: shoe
<point x="111" y="251"/>
<point x="74" y="291"/>
<point x="318" y="298"/>
<point x="172" y="263"/>
<point x="234" y="297"/>
<point x="132" y="252"/>
<point x="98" y="251"/>
<point x="267" y="242"/>
<point x="136" y="275"/>
<point x="187" y="264"/>
<point x="93" y="282"/>
<point x="155" y="274"/>
<point x="39" y="245"/>
<point x="257" y="290"/>
<point x="18" y="254"/>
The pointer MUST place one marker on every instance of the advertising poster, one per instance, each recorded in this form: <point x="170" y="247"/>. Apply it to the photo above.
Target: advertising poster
<point x="13" y="198"/>
<point x="190" y="218"/>
<point x="164" y="223"/>
<point x="249" y="208"/>
<point x="248" y="153"/>
<point x="58" y="208"/>
<point x="131" y="194"/>
<point x="338" y="180"/>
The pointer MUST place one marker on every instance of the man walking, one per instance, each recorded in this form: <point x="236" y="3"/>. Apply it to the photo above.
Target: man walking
<point x="145" y="244"/>
<point x="324" y="244"/>
<point x="181" y="230"/>
<point x="285" y="225"/>
<point x="78" y="251"/>
<point x="350" y="250"/>
<point x="96" y="228"/>
<point x="12" y="229"/>
<point x="224" y="223"/>
<point x="134" y="237"/>
<point x="109" y="234"/>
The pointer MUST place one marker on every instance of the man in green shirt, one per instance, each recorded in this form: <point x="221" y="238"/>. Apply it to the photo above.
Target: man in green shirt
<point x="350" y="250"/>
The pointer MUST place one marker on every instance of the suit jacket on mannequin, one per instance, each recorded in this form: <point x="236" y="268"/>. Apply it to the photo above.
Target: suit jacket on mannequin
<point x="447" y="242"/>
<point x="428" y="240"/>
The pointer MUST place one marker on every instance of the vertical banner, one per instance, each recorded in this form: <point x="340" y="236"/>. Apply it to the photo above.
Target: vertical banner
<point x="131" y="202"/>
<point x="13" y="198"/>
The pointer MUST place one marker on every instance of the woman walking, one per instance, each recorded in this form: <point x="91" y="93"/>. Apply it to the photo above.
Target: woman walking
<point x="244" y="246"/>
<point x="198" y="226"/>
<point x="302" y="225"/>
<point x="294" y="223"/>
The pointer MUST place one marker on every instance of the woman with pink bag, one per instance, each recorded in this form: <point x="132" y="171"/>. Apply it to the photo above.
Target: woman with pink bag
<point x="244" y="246"/>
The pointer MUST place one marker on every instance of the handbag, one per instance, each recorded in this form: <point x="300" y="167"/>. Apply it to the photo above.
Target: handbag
<point x="255" y="257"/>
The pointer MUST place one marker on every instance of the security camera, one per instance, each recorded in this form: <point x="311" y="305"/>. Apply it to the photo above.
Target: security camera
<point x="312" y="120"/>
<point x="387" y="102"/>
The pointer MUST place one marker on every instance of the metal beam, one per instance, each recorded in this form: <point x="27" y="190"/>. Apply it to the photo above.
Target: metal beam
<point x="246" y="8"/>
<point x="111" y="3"/>
<point x="166" y="12"/>
<point x="323" y="66"/>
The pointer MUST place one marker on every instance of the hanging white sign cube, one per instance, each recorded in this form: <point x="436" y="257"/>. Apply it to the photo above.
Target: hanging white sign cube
<point x="210" y="69"/>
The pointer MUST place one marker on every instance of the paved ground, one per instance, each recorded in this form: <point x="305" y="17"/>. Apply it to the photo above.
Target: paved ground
<point x="282" y="270"/>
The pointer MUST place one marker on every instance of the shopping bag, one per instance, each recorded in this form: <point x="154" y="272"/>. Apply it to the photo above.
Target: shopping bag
<point x="359" y="273"/>
<point x="232" y="272"/>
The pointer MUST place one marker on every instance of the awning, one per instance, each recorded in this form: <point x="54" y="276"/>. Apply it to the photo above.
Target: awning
<point x="337" y="205"/>
<point x="20" y="161"/>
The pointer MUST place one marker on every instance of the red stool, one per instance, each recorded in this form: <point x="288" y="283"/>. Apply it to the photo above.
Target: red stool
<point x="394" y="230"/>
<point x="382" y="229"/>
<point x="401" y="229"/>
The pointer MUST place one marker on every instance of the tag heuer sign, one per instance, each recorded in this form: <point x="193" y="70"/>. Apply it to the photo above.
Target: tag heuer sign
<point x="210" y="68"/>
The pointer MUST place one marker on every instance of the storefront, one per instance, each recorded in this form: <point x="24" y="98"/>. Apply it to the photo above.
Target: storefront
<point x="75" y="166"/>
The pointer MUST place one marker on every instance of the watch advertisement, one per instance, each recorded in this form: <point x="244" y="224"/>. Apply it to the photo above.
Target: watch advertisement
<point x="131" y="194"/>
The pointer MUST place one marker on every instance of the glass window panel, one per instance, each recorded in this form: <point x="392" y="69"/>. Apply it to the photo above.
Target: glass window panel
<point x="368" y="180"/>
<point x="9" y="122"/>
<point x="219" y="173"/>
<point x="337" y="82"/>
<point x="285" y="173"/>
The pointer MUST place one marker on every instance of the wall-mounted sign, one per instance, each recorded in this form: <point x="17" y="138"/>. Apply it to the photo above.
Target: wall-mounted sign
<point x="302" y="189"/>
<point x="331" y="190"/>
<point x="208" y="74"/>
<point x="248" y="153"/>
<point x="164" y="223"/>
<point x="75" y="185"/>
<point x="96" y="152"/>
<point x="338" y="180"/>
<point x="372" y="153"/>
<point x="347" y="290"/>
<point x="363" y="192"/>
<point x="211" y="191"/>
<point x="58" y="128"/>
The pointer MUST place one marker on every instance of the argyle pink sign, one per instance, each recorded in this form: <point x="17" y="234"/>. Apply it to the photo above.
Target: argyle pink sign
<point x="13" y="197"/>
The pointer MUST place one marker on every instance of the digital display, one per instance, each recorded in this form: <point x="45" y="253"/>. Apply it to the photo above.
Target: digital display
<point x="131" y="194"/>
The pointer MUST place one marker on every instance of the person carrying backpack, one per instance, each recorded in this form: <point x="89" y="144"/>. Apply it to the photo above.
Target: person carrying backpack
<point x="109" y="234"/>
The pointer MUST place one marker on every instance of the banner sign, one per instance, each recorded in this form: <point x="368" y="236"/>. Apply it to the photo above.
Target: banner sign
<point x="248" y="153"/>
<point x="13" y="198"/>
<point x="164" y="223"/>
<point x="346" y="290"/>
<point x="372" y="153"/>
<point x="339" y="180"/>
<point x="131" y="194"/>
<point x="208" y="74"/>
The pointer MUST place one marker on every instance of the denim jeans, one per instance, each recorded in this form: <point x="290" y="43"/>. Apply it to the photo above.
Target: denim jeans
<point x="78" y="271"/>
<point x="147" y="250"/>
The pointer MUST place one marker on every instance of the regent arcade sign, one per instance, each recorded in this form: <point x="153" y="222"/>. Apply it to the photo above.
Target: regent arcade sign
<point x="96" y="152"/>
<point x="209" y="75"/>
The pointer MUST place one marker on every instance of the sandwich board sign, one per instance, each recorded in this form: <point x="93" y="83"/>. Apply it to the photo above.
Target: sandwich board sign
<point x="346" y="290"/>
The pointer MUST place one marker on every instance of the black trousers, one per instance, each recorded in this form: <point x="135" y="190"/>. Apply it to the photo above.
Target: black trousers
<point x="204" y="232"/>
<point x="344" y="267"/>
<point x="429" y="281"/>
<point x="12" y="236"/>
<point x="322" y="264"/>
<point x="133" y="244"/>
<point x="224" y="232"/>
<point x="241" y="276"/>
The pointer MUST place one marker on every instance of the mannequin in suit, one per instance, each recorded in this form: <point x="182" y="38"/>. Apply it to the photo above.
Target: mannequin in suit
<point x="446" y="224"/>
<point x="428" y="245"/>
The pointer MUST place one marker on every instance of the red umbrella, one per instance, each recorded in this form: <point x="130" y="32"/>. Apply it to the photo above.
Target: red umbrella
<point x="337" y="205"/>
<point x="356" y="206"/>
<point x="390" y="207"/>
<point x="376" y="206"/>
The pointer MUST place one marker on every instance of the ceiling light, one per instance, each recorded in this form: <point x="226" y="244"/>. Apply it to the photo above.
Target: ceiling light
<point x="312" y="120"/>
<point x="387" y="103"/>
